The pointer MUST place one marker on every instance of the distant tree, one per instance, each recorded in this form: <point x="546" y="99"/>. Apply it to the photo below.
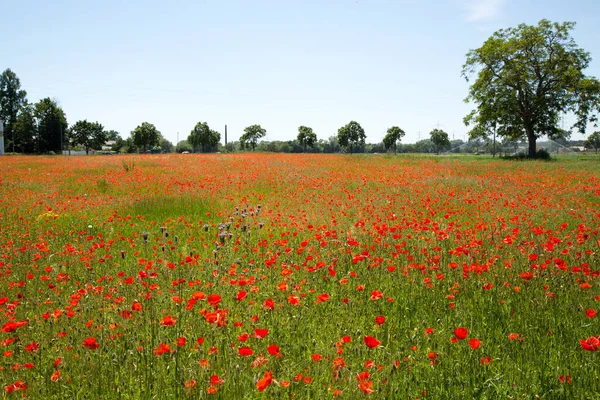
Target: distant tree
<point x="351" y="135"/>
<point x="593" y="141"/>
<point x="203" y="136"/>
<point x="182" y="146"/>
<point x="251" y="136"/>
<point x="306" y="137"/>
<point x="25" y="130"/>
<point x="394" y="135"/>
<point x="165" y="145"/>
<point x="145" y="136"/>
<point x="12" y="99"/>
<point x="527" y="77"/>
<point x="440" y="139"/>
<point x="51" y="126"/>
<point x="112" y="135"/>
<point x="90" y="135"/>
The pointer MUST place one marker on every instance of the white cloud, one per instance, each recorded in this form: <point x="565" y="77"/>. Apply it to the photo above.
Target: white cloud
<point x="481" y="10"/>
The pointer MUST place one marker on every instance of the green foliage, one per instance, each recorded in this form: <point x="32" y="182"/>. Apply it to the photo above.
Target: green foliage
<point x="182" y="146"/>
<point x="593" y="141"/>
<point x="145" y="136"/>
<point x="25" y="129"/>
<point x="251" y="136"/>
<point x="51" y="126"/>
<point x="203" y="136"/>
<point x="394" y="135"/>
<point x="351" y="135"/>
<point x="306" y="137"/>
<point x="526" y="78"/>
<point x="12" y="100"/>
<point x="113" y="135"/>
<point x="440" y="139"/>
<point x="90" y="135"/>
<point x="165" y="145"/>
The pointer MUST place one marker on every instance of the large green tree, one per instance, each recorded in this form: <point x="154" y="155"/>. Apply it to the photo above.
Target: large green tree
<point x="51" y="126"/>
<point x="526" y="78"/>
<point x="351" y="135"/>
<point x="593" y="141"/>
<point x="306" y="137"/>
<point x="440" y="139"/>
<point x="12" y="99"/>
<point x="25" y="130"/>
<point x="394" y="135"/>
<point x="251" y="135"/>
<point x="203" y="136"/>
<point x="90" y="135"/>
<point x="145" y="136"/>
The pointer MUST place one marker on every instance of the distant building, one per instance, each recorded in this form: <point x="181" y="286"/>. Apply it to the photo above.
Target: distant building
<point x="108" y="145"/>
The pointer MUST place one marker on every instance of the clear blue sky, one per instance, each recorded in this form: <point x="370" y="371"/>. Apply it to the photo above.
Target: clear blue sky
<point x="278" y="63"/>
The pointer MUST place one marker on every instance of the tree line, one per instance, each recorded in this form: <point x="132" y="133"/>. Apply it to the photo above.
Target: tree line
<point x="526" y="79"/>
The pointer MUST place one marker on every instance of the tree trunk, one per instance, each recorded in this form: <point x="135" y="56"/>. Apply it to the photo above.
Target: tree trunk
<point x="531" y="139"/>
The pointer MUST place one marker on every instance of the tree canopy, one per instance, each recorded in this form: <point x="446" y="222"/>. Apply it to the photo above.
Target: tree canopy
<point x="394" y="135"/>
<point x="593" y="141"/>
<point x="351" y="135"/>
<point x="306" y="137"/>
<point x="251" y="136"/>
<point x="526" y="78"/>
<point x="12" y="100"/>
<point x="203" y="136"/>
<point x="51" y="126"/>
<point x="145" y="136"/>
<point x="90" y="135"/>
<point x="440" y="139"/>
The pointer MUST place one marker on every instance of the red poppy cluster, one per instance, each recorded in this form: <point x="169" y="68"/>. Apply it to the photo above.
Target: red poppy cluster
<point x="301" y="276"/>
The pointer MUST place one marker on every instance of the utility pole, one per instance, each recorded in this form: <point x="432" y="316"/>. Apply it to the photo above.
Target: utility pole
<point x="177" y="138"/>
<point x="225" y="135"/>
<point x="62" y="147"/>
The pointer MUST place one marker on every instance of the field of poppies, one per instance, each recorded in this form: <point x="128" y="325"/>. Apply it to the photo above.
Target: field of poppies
<point x="299" y="276"/>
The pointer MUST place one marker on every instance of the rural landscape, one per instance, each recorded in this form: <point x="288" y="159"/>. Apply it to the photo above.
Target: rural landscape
<point x="326" y="264"/>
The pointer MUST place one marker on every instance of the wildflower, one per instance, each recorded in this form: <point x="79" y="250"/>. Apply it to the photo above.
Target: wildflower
<point x="371" y="342"/>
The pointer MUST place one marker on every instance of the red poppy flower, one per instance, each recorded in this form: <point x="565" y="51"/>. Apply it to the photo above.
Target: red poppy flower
<point x="486" y="360"/>
<point x="274" y="350"/>
<point x="461" y="333"/>
<point x="168" y="321"/>
<point x="90" y="343"/>
<point x="245" y="351"/>
<point x="590" y="313"/>
<point x="265" y="381"/>
<point x="12" y="326"/>
<point x="269" y="304"/>
<point x="371" y="342"/>
<point x="214" y="299"/>
<point x="241" y="295"/>
<point x="162" y="349"/>
<point x="317" y="357"/>
<point x="380" y="319"/>
<point x="215" y="381"/>
<point x="591" y="343"/>
<point x="376" y="295"/>
<point x="474" y="343"/>
<point x="260" y="333"/>
<point x="346" y="339"/>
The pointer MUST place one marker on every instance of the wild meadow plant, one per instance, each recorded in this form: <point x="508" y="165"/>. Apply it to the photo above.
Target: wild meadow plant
<point x="299" y="276"/>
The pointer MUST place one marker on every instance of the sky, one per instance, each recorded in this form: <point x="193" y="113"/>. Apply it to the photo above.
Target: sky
<point x="277" y="63"/>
